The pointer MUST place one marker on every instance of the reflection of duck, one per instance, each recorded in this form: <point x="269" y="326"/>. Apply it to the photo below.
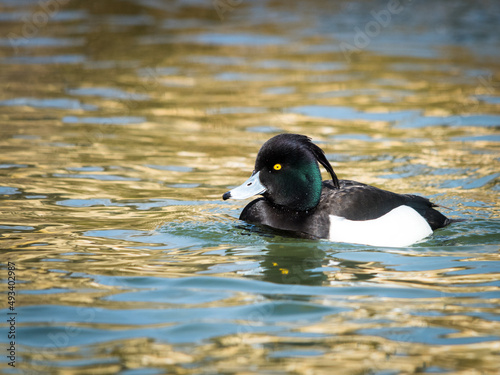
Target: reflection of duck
<point x="285" y="264"/>
<point x="295" y="199"/>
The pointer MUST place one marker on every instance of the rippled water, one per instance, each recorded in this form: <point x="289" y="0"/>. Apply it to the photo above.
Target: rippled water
<point x="123" y="122"/>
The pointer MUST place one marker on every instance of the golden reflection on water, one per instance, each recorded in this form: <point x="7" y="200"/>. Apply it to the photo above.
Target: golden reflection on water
<point x="118" y="155"/>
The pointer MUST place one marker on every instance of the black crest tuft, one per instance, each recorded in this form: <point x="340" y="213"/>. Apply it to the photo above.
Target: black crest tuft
<point x="317" y="152"/>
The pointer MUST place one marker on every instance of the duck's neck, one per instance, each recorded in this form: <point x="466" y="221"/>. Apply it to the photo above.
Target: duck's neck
<point x="312" y="189"/>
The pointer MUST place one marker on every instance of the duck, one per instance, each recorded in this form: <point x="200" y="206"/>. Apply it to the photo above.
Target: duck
<point x="295" y="199"/>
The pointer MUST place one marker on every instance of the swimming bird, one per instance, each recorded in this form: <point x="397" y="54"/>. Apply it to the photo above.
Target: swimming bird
<point x="294" y="198"/>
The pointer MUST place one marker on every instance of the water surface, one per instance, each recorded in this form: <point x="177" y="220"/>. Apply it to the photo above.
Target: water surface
<point x="122" y="123"/>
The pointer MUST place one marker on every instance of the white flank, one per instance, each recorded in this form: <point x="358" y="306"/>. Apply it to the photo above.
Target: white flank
<point x="401" y="227"/>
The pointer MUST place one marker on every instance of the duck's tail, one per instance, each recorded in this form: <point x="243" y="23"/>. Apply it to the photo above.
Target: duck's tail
<point x="447" y="220"/>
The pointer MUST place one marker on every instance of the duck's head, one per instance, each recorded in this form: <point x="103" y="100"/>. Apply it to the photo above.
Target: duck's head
<point x="286" y="173"/>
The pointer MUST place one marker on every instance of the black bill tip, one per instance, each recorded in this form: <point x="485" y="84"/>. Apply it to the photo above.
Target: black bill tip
<point x="226" y="195"/>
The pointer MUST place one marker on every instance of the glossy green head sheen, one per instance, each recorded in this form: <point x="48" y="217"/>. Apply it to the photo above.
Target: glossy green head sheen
<point x="288" y="169"/>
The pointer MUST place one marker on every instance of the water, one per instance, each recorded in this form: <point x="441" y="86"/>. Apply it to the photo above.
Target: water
<point x="123" y="123"/>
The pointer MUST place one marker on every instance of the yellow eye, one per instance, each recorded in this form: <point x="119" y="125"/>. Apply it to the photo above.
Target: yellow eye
<point x="277" y="167"/>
